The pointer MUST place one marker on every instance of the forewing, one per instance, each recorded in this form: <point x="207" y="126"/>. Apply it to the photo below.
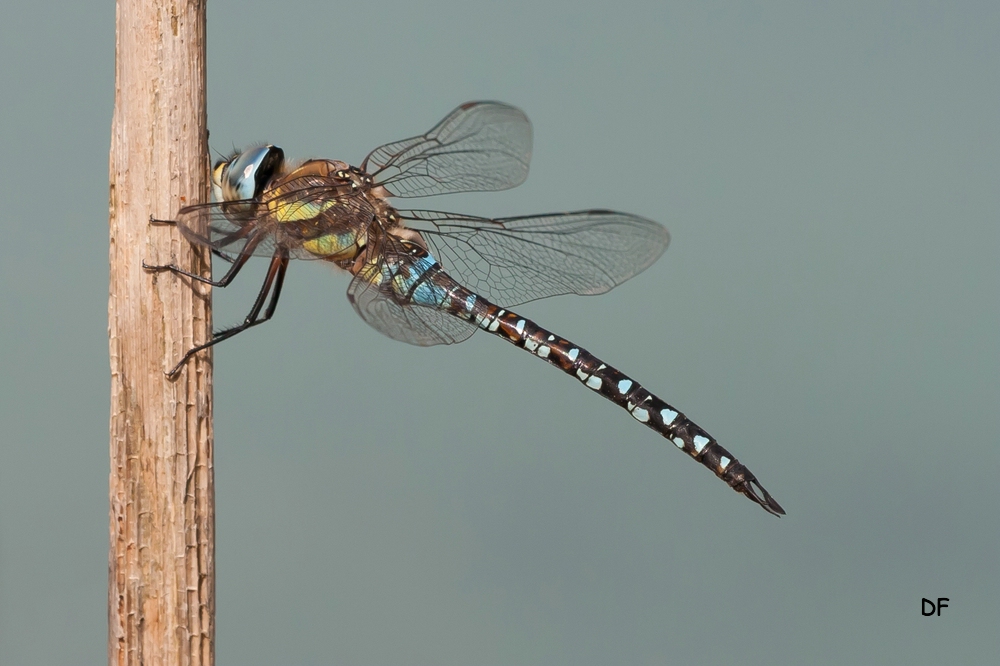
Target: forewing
<point x="479" y="147"/>
<point x="519" y="259"/>
<point x="408" y="322"/>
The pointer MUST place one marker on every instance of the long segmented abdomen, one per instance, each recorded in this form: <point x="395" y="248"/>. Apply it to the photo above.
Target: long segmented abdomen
<point x="627" y="393"/>
<point x="424" y="283"/>
<point x="611" y="383"/>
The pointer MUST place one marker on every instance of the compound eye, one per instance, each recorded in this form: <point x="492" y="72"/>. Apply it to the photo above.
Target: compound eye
<point x="248" y="174"/>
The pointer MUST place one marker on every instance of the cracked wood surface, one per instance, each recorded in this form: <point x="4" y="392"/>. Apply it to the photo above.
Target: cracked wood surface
<point x="161" y="590"/>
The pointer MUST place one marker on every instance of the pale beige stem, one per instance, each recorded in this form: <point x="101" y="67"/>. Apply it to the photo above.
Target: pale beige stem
<point x="161" y="585"/>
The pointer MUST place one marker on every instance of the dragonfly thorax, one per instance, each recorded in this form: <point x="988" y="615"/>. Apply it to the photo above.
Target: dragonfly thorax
<point x="358" y="180"/>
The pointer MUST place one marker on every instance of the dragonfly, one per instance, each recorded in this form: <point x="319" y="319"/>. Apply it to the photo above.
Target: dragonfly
<point x="429" y="277"/>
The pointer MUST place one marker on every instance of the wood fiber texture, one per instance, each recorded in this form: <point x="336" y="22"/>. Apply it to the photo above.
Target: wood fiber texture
<point x="161" y="589"/>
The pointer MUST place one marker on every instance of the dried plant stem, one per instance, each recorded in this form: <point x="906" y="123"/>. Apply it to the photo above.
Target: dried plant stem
<point x="161" y="587"/>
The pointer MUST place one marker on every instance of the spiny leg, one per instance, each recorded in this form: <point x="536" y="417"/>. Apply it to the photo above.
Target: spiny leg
<point x="238" y="262"/>
<point x="276" y="277"/>
<point x="620" y="389"/>
<point x="213" y="246"/>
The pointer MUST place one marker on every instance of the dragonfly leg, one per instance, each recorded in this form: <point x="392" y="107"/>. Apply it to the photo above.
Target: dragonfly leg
<point x="202" y="240"/>
<point x="226" y="279"/>
<point x="237" y="264"/>
<point x="225" y="257"/>
<point x="272" y="284"/>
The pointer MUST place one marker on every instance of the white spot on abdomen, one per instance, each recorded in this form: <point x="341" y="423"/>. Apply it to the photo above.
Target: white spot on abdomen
<point x="624" y="385"/>
<point x="519" y="327"/>
<point x="668" y="416"/>
<point x="529" y="343"/>
<point x="573" y="353"/>
<point x="640" y="415"/>
<point x="724" y="462"/>
<point x="543" y="352"/>
<point x="594" y="382"/>
<point x="699" y="442"/>
<point x="679" y="442"/>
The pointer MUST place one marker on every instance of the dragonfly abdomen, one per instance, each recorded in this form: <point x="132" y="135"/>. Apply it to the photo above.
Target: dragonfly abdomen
<point x="420" y="281"/>
<point x="625" y="392"/>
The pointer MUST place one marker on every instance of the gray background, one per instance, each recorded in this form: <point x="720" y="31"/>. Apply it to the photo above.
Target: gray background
<point x="828" y="310"/>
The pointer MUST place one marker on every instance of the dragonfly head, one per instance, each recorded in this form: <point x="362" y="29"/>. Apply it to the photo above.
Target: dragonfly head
<point x="244" y="175"/>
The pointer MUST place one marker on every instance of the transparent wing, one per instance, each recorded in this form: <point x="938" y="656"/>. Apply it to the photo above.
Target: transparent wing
<point x="384" y="310"/>
<point x="290" y="220"/>
<point x="219" y="226"/>
<point x="479" y="147"/>
<point x="519" y="259"/>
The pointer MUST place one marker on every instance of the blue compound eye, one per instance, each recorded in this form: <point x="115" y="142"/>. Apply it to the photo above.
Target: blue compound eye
<point x="245" y="176"/>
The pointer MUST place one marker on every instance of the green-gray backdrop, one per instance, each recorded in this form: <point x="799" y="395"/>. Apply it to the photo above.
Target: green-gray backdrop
<point x="828" y="309"/>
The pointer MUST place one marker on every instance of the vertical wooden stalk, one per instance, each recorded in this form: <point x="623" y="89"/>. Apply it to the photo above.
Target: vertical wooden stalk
<point x="161" y="596"/>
